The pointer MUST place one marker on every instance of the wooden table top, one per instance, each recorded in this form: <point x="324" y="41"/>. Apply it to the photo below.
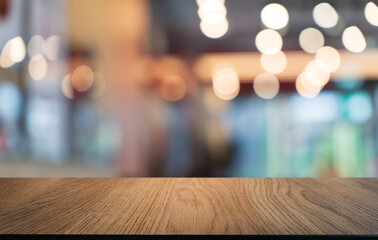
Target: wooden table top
<point x="189" y="206"/>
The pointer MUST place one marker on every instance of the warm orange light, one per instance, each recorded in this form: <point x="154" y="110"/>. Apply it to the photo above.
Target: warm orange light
<point x="82" y="78"/>
<point x="173" y="88"/>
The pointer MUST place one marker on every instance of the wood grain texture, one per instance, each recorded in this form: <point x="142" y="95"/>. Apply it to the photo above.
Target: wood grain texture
<point x="189" y="206"/>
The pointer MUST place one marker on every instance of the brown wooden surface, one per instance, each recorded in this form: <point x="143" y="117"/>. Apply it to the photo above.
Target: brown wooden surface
<point x="189" y="206"/>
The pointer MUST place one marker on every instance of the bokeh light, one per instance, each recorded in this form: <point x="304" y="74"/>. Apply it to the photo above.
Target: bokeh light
<point x="330" y="56"/>
<point x="269" y="41"/>
<point x="310" y="40"/>
<point x="371" y="13"/>
<point x="353" y="39"/>
<point x="212" y="12"/>
<point x="226" y="83"/>
<point x="66" y="86"/>
<point x="82" y="78"/>
<point x="200" y="2"/>
<point x="99" y="85"/>
<point x="316" y="67"/>
<point x="214" y="30"/>
<point x="266" y="85"/>
<point x="5" y="58"/>
<point x="274" y="16"/>
<point x="36" y="46"/>
<point x="169" y="88"/>
<point x="275" y="63"/>
<point x="52" y="47"/>
<point x="308" y="85"/>
<point x="215" y="17"/>
<point x="173" y="88"/>
<point x="37" y="67"/>
<point x="18" y="50"/>
<point x="13" y="52"/>
<point x="325" y="15"/>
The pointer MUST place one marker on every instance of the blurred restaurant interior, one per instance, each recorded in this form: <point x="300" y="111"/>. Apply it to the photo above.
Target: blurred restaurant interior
<point x="188" y="88"/>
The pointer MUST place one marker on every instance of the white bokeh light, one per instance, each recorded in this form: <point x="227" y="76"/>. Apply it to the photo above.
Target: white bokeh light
<point x="268" y="41"/>
<point x="325" y="15"/>
<point x="200" y="2"/>
<point x="226" y="83"/>
<point x="371" y="13"/>
<point x="18" y="49"/>
<point x="274" y="16"/>
<point x="5" y="58"/>
<point x="310" y="40"/>
<point x="214" y="30"/>
<point x="353" y="39"/>
<point x="37" y="67"/>
<point x="212" y="12"/>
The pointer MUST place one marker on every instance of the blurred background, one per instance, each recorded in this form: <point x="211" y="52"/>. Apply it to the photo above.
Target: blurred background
<point x="182" y="88"/>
